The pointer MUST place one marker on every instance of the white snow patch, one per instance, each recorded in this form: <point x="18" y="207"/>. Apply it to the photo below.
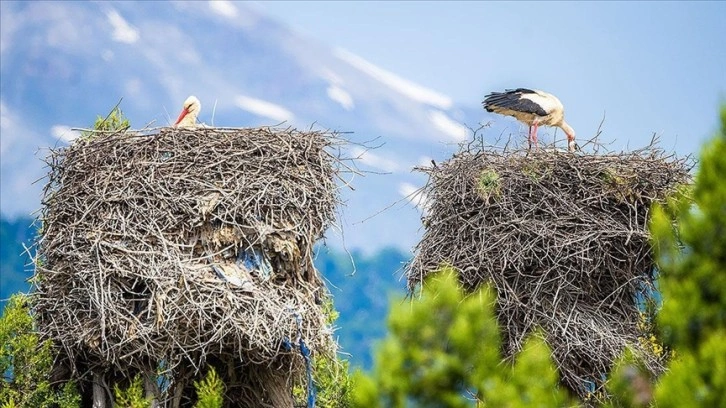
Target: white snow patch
<point x="64" y="133"/>
<point x="412" y="90"/>
<point x="413" y="194"/>
<point x="224" y="8"/>
<point x="444" y="123"/>
<point x="374" y="160"/>
<point x="341" y="96"/>
<point x="122" y="31"/>
<point x="264" y="108"/>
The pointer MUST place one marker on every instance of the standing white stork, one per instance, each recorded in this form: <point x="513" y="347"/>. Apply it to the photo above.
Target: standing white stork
<point x="190" y="111"/>
<point x="532" y="107"/>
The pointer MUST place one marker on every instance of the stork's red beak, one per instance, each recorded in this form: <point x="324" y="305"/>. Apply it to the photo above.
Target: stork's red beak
<point x="183" y="113"/>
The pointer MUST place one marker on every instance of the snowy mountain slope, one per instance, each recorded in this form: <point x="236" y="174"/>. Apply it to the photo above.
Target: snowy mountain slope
<point x="65" y="62"/>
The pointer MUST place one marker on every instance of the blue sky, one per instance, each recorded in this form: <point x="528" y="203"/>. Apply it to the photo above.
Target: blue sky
<point x="648" y="66"/>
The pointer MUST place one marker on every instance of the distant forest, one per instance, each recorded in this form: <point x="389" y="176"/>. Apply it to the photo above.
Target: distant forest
<point x="15" y="267"/>
<point x="361" y="284"/>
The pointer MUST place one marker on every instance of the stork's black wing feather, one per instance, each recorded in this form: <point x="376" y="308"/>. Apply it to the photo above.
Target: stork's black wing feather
<point x="512" y="100"/>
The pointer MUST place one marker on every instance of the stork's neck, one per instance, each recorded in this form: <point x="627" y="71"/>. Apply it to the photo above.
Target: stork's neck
<point x="569" y="131"/>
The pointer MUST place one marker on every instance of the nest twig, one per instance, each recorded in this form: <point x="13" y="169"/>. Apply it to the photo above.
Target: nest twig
<point x="563" y="238"/>
<point x="139" y="231"/>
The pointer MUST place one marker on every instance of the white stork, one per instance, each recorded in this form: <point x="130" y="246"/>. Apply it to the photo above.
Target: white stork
<point x="532" y="107"/>
<point x="190" y="111"/>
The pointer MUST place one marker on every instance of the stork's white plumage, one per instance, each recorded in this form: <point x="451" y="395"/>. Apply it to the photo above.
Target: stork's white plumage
<point x="532" y="107"/>
<point x="190" y="111"/>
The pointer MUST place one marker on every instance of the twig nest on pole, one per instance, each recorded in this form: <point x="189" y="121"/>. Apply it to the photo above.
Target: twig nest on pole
<point x="173" y="245"/>
<point x="563" y="238"/>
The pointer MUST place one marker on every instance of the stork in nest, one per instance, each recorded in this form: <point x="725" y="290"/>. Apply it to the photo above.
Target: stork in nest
<point x="190" y="111"/>
<point x="534" y="108"/>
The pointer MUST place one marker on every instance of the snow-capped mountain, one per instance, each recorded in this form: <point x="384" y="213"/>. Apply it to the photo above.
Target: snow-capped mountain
<point x="63" y="63"/>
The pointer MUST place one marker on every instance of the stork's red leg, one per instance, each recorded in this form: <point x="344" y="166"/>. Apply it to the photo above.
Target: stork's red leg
<point x="529" y="139"/>
<point x="535" y="125"/>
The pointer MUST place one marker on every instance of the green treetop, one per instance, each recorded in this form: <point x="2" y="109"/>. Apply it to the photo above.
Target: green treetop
<point x="690" y="243"/>
<point x="443" y="350"/>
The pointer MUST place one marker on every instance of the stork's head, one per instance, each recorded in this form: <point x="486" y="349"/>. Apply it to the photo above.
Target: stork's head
<point x="570" y="132"/>
<point x="189" y="113"/>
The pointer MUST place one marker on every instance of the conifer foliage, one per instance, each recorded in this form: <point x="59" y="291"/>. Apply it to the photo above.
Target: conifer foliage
<point x="690" y="242"/>
<point x="26" y="362"/>
<point x="444" y="350"/>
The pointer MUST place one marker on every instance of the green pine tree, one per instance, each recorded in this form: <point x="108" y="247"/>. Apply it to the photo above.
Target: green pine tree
<point x="210" y="391"/>
<point x="443" y="350"/>
<point x="26" y="362"/>
<point x="692" y="261"/>
<point x="132" y="396"/>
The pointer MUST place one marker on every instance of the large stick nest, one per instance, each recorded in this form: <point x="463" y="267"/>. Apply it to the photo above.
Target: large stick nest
<point x="172" y="246"/>
<point x="563" y="238"/>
